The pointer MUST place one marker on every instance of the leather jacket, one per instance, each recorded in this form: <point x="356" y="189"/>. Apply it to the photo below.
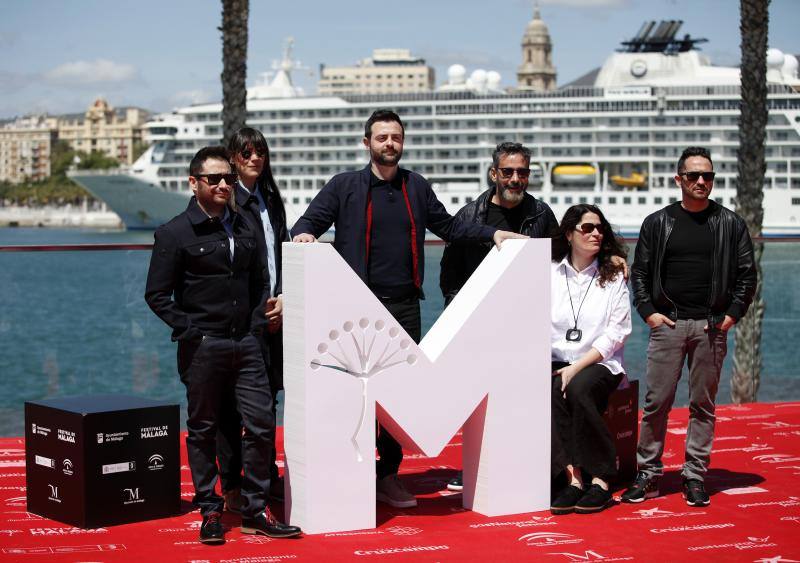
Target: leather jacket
<point x="733" y="278"/>
<point x="461" y="259"/>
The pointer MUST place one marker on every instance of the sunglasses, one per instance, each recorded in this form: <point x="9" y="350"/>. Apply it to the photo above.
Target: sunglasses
<point x="247" y="153"/>
<point x="509" y="172"/>
<point x="215" y="179"/>
<point x="694" y="176"/>
<point x="588" y="228"/>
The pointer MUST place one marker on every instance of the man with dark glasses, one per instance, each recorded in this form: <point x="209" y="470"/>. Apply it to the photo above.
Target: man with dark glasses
<point x="693" y="277"/>
<point x="208" y="282"/>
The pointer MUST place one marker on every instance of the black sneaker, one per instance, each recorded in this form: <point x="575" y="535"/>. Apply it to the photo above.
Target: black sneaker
<point x="566" y="500"/>
<point x="211" y="530"/>
<point x="456" y="483"/>
<point x="695" y="493"/>
<point x="265" y="524"/>
<point x="643" y="487"/>
<point x="594" y="500"/>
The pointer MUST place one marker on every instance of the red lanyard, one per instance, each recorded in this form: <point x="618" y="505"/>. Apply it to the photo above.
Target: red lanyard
<point x="414" y="249"/>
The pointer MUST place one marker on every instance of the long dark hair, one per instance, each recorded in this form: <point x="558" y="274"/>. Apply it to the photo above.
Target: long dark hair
<point x="612" y="244"/>
<point x="249" y="137"/>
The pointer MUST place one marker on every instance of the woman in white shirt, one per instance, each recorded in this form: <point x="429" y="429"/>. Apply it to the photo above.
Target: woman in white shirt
<point x="591" y="318"/>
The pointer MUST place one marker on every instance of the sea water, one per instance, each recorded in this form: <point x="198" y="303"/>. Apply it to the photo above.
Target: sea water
<point x="76" y="323"/>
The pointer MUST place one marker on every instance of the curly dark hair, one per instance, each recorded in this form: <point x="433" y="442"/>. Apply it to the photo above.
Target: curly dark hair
<point x="612" y="244"/>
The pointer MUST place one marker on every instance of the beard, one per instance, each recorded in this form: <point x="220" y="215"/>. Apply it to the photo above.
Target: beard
<point x="384" y="159"/>
<point x="511" y="197"/>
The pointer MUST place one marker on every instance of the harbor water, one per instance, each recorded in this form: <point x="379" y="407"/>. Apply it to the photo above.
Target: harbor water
<point x="76" y="323"/>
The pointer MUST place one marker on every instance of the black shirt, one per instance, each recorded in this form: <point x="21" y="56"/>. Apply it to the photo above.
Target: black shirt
<point x="505" y="219"/>
<point x="390" y="267"/>
<point x="687" y="262"/>
<point x="195" y="287"/>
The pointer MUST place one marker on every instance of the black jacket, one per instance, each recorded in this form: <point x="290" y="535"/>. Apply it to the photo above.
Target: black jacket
<point x="343" y="201"/>
<point x="193" y="286"/>
<point x="460" y="259"/>
<point x="248" y="203"/>
<point x="733" y="280"/>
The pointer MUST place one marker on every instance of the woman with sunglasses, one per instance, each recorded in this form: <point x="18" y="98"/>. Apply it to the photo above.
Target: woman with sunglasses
<point x="257" y="196"/>
<point x="591" y="318"/>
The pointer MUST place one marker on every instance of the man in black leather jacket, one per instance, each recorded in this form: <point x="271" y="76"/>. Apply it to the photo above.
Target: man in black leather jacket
<point x="505" y="205"/>
<point x="693" y="278"/>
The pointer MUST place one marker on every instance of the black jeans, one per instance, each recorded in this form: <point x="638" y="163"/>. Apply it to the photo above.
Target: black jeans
<point x="406" y="313"/>
<point x="580" y="436"/>
<point x="229" y="436"/>
<point x="212" y="370"/>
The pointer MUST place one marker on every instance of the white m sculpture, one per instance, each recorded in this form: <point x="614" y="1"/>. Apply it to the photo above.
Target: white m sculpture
<point x="485" y="364"/>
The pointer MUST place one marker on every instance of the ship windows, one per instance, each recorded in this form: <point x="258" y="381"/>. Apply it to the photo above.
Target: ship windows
<point x="296" y="200"/>
<point x="796" y="201"/>
<point x="612" y="200"/>
<point x="626" y="200"/>
<point x="598" y="200"/>
<point x="583" y="199"/>
<point x="658" y="200"/>
<point x="568" y="200"/>
<point x="454" y="199"/>
<point x="642" y="200"/>
<point x="554" y="200"/>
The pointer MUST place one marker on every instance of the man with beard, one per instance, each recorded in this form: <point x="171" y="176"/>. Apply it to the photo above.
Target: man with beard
<point x="380" y="215"/>
<point x="505" y="205"/>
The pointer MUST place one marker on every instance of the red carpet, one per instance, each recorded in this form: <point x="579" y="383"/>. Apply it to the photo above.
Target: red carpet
<point x="754" y="515"/>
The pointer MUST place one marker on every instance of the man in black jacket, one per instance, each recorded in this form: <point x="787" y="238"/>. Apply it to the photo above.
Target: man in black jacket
<point x="207" y="281"/>
<point x="506" y="205"/>
<point x="257" y="196"/>
<point x="381" y="213"/>
<point x="693" y="278"/>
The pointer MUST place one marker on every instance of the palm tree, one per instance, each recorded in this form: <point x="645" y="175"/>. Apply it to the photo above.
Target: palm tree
<point x="234" y="66"/>
<point x="754" y="25"/>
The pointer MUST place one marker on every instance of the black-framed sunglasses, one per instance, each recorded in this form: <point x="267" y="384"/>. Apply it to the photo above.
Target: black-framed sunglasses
<point x="588" y="228"/>
<point x="215" y="179"/>
<point x="694" y="176"/>
<point x="247" y="153"/>
<point x="509" y="172"/>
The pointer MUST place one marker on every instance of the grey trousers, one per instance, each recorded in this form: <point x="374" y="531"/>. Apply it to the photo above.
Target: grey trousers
<point x="704" y="352"/>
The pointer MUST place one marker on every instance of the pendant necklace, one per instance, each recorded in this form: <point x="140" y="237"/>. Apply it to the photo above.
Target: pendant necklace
<point x="575" y="334"/>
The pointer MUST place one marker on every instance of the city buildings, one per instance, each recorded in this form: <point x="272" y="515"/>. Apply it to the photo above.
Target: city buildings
<point x="26" y="143"/>
<point x="388" y="71"/>
<point x="25" y="147"/>
<point x="113" y="132"/>
<point x="536" y="72"/>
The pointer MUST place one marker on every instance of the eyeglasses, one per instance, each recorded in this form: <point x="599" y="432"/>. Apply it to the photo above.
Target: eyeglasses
<point x="588" y="228"/>
<point x="509" y="172"/>
<point x="694" y="176"/>
<point x="215" y="179"/>
<point x="247" y="153"/>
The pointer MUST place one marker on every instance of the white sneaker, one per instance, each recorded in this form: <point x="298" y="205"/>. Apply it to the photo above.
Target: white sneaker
<point x="392" y="492"/>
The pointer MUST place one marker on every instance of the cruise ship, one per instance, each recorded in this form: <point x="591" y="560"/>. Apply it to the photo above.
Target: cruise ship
<point x="611" y="138"/>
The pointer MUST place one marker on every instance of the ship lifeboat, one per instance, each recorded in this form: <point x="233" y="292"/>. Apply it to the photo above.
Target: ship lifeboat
<point x="574" y="174"/>
<point x="635" y="180"/>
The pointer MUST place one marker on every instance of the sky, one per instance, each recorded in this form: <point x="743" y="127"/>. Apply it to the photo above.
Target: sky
<point x="58" y="56"/>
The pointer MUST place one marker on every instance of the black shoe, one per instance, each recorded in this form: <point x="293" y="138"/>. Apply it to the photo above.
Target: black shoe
<point x="695" y="493"/>
<point x="211" y="530"/>
<point x="456" y="483"/>
<point x="266" y="525"/>
<point x="566" y="500"/>
<point x="594" y="500"/>
<point x="643" y="487"/>
<point x="276" y="489"/>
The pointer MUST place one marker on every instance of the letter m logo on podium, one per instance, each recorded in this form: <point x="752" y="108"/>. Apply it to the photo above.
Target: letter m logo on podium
<point x="485" y="365"/>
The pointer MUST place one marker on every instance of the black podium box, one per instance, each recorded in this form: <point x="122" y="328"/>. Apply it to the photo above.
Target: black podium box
<point x="622" y="419"/>
<point x="100" y="460"/>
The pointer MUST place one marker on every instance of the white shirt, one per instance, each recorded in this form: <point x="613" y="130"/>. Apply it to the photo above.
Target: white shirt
<point x="604" y="318"/>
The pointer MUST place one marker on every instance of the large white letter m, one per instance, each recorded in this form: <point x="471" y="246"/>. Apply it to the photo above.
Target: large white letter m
<point x="485" y="365"/>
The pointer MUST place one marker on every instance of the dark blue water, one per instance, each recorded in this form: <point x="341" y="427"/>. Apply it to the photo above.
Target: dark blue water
<point x="76" y="322"/>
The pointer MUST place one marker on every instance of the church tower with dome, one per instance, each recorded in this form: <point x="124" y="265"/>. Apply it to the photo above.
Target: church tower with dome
<point x="536" y="71"/>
